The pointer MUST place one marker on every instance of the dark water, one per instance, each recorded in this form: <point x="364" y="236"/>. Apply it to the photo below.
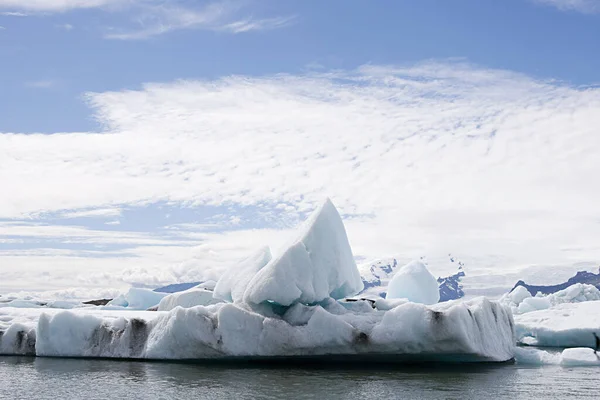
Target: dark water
<point x="47" y="378"/>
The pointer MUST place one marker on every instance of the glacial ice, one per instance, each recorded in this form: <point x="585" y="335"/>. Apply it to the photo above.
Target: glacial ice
<point x="476" y="330"/>
<point x="572" y="357"/>
<point x="564" y="325"/>
<point x="188" y="298"/>
<point x="415" y="283"/>
<point x="521" y="301"/>
<point x="232" y="285"/>
<point x="292" y="305"/>
<point x="137" y="299"/>
<point x="316" y="266"/>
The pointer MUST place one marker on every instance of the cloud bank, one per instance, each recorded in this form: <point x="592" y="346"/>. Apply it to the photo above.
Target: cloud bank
<point x="495" y="166"/>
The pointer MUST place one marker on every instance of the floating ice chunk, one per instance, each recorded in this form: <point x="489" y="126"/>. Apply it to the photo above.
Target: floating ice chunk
<point x="415" y="283"/>
<point x="137" y="299"/>
<point x="530" y="356"/>
<point x="232" y="285"/>
<point x="579" y="356"/>
<point x="316" y="266"/>
<point x="186" y="299"/>
<point x="564" y="325"/>
<point x="521" y="301"/>
<point x="533" y="304"/>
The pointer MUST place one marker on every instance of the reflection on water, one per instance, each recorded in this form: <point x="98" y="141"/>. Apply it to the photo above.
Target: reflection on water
<point x="52" y="378"/>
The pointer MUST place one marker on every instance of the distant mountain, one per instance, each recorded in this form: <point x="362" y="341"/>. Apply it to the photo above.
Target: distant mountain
<point x="581" y="277"/>
<point x="450" y="287"/>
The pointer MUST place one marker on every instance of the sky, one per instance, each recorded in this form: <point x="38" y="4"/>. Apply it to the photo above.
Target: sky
<point x="147" y="142"/>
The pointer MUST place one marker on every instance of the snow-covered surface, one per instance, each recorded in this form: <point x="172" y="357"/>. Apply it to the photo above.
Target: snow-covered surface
<point x="232" y="285"/>
<point x="137" y="299"/>
<point x="316" y="266"/>
<point x="564" y="325"/>
<point x="415" y="283"/>
<point x="478" y="330"/>
<point x="188" y="298"/>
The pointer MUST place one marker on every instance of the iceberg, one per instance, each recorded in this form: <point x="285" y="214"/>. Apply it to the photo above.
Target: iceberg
<point x="316" y="266"/>
<point x="137" y="299"/>
<point x="232" y="285"/>
<point x="564" y="325"/>
<point x="293" y="305"/>
<point x="476" y="330"/>
<point x="415" y="283"/>
<point x="187" y="299"/>
<point x="521" y="301"/>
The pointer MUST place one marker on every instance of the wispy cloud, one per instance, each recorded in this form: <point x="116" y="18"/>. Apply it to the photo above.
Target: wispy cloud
<point x="65" y="27"/>
<point x="583" y="6"/>
<point x="58" y="5"/>
<point x="218" y="16"/>
<point x="257" y="25"/>
<point x="42" y="84"/>
<point x="12" y="13"/>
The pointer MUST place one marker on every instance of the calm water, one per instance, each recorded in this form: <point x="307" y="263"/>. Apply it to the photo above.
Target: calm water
<point x="45" y="378"/>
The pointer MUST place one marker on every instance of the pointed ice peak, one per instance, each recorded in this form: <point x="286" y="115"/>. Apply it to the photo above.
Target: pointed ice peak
<point x="317" y="265"/>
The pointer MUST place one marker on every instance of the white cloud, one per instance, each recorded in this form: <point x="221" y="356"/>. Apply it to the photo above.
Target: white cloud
<point x="42" y="84"/>
<point x="583" y="6"/>
<point x="12" y="14"/>
<point x="160" y="19"/>
<point x="58" y="5"/>
<point x="65" y="27"/>
<point x="494" y="166"/>
<point x="247" y="25"/>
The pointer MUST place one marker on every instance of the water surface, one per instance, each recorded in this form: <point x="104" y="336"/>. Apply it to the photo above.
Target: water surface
<point x="56" y="378"/>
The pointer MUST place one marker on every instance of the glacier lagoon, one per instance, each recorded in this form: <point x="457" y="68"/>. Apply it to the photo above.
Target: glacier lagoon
<point x="65" y="378"/>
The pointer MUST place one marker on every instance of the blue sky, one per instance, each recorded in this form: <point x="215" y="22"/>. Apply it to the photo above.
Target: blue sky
<point x="51" y="57"/>
<point x="148" y="142"/>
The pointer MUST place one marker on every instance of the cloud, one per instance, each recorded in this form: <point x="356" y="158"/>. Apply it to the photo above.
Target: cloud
<point x="257" y="25"/>
<point x="65" y="27"/>
<point x="494" y="166"/>
<point x="156" y="20"/>
<point x="57" y="5"/>
<point x="42" y="84"/>
<point x="12" y="14"/>
<point x="583" y="6"/>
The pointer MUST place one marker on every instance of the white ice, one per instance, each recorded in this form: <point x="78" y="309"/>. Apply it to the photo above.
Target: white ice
<point x="564" y="325"/>
<point x="573" y="357"/>
<point x="521" y="301"/>
<point x="196" y="296"/>
<point x="316" y="266"/>
<point x="137" y="299"/>
<point x="234" y="282"/>
<point x="477" y="330"/>
<point x="415" y="283"/>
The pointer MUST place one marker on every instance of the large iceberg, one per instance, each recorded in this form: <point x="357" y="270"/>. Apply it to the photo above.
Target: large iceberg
<point x="316" y="266"/>
<point x="476" y="330"/>
<point x="415" y="283"/>
<point x="232" y="285"/>
<point x="291" y="306"/>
